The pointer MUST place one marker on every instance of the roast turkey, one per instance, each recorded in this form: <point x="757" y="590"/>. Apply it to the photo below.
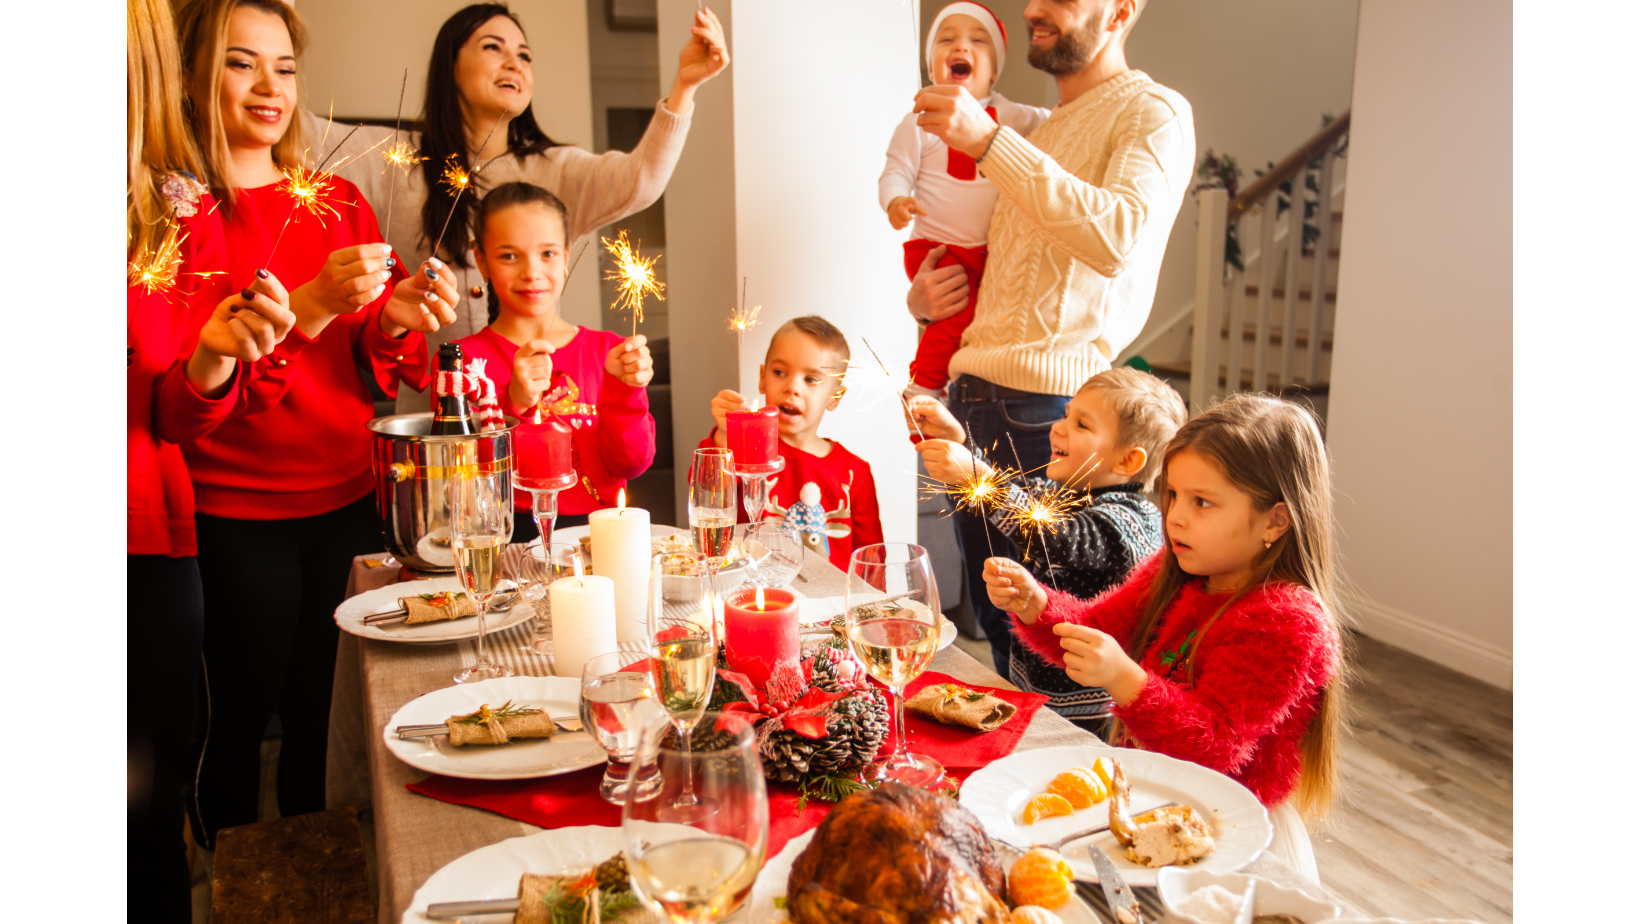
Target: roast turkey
<point x="897" y="855"/>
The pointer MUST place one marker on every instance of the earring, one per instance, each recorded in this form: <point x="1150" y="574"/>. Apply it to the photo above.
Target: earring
<point x="1266" y="545"/>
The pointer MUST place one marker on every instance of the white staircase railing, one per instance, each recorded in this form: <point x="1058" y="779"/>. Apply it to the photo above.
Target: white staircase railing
<point x="1222" y="300"/>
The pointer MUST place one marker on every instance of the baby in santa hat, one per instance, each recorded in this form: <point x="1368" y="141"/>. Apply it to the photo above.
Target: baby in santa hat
<point x="939" y="189"/>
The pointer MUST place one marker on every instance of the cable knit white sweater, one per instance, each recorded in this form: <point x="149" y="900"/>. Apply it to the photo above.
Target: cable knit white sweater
<point x="1078" y="234"/>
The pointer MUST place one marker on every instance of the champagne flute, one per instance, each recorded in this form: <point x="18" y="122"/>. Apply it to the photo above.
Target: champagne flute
<point x="532" y="570"/>
<point x="712" y="502"/>
<point x="703" y="869"/>
<point x="893" y="626"/>
<point x="479" y="527"/>
<point x="617" y="702"/>
<point x="683" y="636"/>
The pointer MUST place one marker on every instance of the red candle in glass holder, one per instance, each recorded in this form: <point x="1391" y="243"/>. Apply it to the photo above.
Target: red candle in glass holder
<point x="754" y="436"/>
<point x="543" y="450"/>
<point x="760" y="631"/>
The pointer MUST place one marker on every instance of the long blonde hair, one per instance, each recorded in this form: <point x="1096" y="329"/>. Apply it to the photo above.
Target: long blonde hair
<point x="1272" y="450"/>
<point x="203" y="27"/>
<point x="157" y="136"/>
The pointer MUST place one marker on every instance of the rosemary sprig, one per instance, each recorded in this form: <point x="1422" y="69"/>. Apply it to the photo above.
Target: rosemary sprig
<point x="506" y="710"/>
<point x="567" y="902"/>
<point x="827" y="788"/>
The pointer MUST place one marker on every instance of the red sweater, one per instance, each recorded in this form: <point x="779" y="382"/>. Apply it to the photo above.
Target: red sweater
<point x="1258" y="680"/>
<point x="159" y="501"/>
<point x="839" y="516"/>
<point x="297" y="444"/>
<point x="614" y="438"/>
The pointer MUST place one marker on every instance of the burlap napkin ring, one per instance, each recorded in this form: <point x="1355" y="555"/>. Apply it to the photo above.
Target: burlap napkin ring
<point x="499" y="726"/>
<point x="954" y="705"/>
<point x="437" y="607"/>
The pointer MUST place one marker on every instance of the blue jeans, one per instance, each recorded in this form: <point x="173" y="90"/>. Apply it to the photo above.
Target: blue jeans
<point x="989" y="424"/>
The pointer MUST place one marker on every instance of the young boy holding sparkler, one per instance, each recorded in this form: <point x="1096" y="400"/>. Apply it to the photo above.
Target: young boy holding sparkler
<point x="826" y="493"/>
<point x="1086" y="525"/>
<point x="592" y="380"/>
<point x="940" y="188"/>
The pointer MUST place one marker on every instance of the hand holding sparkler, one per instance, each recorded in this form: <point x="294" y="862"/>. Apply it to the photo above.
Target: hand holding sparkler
<point x="630" y="362"/>
<point x="532" y="373"/>
<point x="933" y="420"/>
<point x="245" y="327"/>
<point x="423" y="302"/>
<point x="351" y="278"/>
<point x="951" y="463"/>
<point x="1095" y="659"/>
<point x="1012" y="588"/>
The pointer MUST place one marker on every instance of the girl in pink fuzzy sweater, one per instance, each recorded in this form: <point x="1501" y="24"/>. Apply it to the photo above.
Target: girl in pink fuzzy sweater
<point x="1222" y="649"/>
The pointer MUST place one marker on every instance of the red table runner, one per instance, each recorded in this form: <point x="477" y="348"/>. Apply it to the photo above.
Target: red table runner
<point x="572" y="798"/>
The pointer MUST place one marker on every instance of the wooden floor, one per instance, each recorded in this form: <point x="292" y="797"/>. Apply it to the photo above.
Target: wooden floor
<point x="1426" y="825"/>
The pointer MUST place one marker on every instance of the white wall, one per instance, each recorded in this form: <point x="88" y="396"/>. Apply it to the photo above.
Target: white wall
<point x="360" y="48"/>
<point x="1420" y="427"/>
<point x="795" y="171"/>
<point x="1258" y="75"/>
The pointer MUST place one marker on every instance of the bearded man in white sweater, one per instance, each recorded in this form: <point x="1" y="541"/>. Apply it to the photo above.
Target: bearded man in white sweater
<point x="1076" y="244"/>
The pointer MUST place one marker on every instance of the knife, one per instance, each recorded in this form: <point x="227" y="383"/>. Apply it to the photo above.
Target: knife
<point x="1118" y="896"/>
<point x="564" y="723"/>
<point x="449" y="911"/>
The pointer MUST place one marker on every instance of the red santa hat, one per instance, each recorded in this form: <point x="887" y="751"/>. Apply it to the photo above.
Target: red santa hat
<point x="981" y="12"/>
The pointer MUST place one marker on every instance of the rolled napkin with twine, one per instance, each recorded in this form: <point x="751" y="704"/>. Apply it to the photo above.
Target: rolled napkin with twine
<point x="498" y="726"/>
<point x="437" y="607"/>
<point x="954" y="705"/>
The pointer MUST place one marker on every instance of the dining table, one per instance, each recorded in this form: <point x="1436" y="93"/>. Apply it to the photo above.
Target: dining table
<point x="415" y="835"/>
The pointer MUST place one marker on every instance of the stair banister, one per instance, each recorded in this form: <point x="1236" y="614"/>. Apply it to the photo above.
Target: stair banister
<point x="1211" y="208"/>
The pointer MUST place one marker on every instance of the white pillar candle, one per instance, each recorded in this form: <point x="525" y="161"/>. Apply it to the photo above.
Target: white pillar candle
<point x="583" y="621"/>
<point x="620" y="552"/>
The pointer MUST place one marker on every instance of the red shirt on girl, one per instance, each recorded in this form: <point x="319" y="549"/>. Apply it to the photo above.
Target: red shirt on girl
<point x="614" y="434"/>
<point x="297" y="444"/>
<point x="1255" y="687"/>
<point x="159" y="500"/>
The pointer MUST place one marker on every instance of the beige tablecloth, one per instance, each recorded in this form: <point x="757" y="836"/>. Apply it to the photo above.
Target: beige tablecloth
<point x="416" y="835"/>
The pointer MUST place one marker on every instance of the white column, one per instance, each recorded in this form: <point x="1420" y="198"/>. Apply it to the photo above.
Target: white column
<point x="778" y="184"/>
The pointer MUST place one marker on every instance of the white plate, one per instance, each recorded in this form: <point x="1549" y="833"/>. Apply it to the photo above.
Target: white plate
<point x="350" y="615"/>
<point x="771" y="883"/>
<point x="562" y="753"/>
<point x="493" y="871"/>
<point x="997" y="795"/>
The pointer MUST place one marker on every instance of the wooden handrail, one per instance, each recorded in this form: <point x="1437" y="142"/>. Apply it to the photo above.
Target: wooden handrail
<point x="1290" y="165"/>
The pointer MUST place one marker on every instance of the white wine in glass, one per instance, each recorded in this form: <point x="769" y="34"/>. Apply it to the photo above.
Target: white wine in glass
<point x="892" y="621"/>
<point x="895" y="651"/>
<point x="478" y="535"/>
<point x="712" y="503"/>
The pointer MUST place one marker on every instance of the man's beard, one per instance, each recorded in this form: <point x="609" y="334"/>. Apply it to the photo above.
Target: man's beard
<point x="1071" y="52"/>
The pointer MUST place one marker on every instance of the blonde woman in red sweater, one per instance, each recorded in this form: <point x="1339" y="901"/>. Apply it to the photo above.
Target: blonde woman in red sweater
<point x="283" y="486"/>
<point x="1224" y="648"/>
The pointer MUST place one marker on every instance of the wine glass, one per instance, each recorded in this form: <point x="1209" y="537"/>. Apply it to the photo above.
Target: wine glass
<point x="532" y="570"/>
<point x="617" y="702"/>
<point x="683" y="634"/>
<point x="712" y="502"/>
<point x="782" y="555"/>
<point x="479" y="526"/>
<point x="703" y="869"/>
<point x="893" y="626"/>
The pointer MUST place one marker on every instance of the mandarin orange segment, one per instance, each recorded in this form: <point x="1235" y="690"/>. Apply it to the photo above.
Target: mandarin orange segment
<point x="1046" y="805"/>
<point x="1081" y="788"/>
<point x="1040" y="877"/>
<point x="1105" y="770"/>
<point x="1034" y="914"/>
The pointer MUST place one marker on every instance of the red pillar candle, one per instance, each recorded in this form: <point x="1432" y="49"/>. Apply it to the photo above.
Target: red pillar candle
<point x="760" y="631"/>
<point x="542" y="450"/>
<point x="754" y="436"/>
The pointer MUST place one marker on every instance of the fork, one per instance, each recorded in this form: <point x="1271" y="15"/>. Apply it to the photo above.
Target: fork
<point x="1077" y="835"/>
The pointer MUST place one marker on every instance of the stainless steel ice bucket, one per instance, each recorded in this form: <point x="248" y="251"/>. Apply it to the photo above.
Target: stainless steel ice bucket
<point x="412" y="468"/>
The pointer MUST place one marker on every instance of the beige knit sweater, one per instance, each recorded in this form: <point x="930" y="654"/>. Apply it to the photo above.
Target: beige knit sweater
<point x="1078" y="234"/>
<point x="596" y="189"/>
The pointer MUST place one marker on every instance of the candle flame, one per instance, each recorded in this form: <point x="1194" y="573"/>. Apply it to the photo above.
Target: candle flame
<point x="760" y="598"/>
<point x="620" y="502"/>
<point x="576" y="559"/>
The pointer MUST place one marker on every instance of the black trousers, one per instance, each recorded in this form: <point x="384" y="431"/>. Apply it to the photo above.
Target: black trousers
<point x="271" y="592"/>
<point x="524" y="525"/>
<point x="164" y="624"/>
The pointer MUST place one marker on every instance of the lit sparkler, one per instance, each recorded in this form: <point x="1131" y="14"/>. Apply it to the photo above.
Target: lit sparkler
<point x="459" y="179"/>
<point x="156" y="271"/>
<point x="903" y="403"/>
<point x="742" y="321"/>
<point x="455" y="176"/>
<point x="307" y="188"/>
<point x="1043" y="513"/>
<point x="634" y="275"/>
<point x="401" y="156"/>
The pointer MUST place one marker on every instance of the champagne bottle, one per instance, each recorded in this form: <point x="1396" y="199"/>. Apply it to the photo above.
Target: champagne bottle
<point x="451" y="417"/>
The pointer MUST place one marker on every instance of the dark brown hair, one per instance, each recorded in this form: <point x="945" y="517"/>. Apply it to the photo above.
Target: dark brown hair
<point x="444" y="137"/>
<point x="1272" y="450"/>
<point x="1148" y="413"/>
<point x="506" y="196"/>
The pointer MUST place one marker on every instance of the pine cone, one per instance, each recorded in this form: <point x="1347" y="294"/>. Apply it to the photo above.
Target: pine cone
<point x="612" y="875"/>
<point x="835" y="755"/>
<point x="786" y="756"/>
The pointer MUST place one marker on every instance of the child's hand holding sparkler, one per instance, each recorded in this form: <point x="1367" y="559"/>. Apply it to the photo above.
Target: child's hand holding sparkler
<point x="246" y="326"/>
<point x="424" y="302"/>
<point x="1012" y="588"/>
<point x="950" y="463"/>
<point x="630" y="362"/>
<point x="722" y="404"/>
<point x="932" y="419"/>
<point x="532" y="373"/>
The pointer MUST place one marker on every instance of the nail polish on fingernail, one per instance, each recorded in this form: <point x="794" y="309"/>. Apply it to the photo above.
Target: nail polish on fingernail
<point x="432" y="273"/>
<point x="429" y="295"/>
<point x="391" y="263"/>
<point x="247" y="295"/>
<point x="234" y="309"/>
<point x="261" y="274"/>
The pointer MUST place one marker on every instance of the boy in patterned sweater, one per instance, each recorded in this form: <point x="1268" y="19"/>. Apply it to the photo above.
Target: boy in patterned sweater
<point x="1107" y="451"/>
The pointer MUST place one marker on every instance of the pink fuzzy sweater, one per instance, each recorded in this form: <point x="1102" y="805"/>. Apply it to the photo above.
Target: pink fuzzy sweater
<point x="1258" y="679"/>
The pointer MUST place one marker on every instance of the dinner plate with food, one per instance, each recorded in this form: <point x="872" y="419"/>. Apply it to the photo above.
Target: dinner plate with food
<point x="510" y="728"/>
<point x="543" y="876"/>
<point x="430" y="612"/>
<point x="1144" y="810"/>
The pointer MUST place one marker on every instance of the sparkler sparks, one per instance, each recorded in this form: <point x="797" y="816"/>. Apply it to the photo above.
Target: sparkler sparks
<point x="455" y="176"/>
<point x="310" y="189"/>
<point x="634" y="275"/>
<point x="741" y="321"/>
<point x="1043" y="513"/>
<point x="459" y="179"/>
<point x="156" y="271"/>
<point x="402" y="156"/>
